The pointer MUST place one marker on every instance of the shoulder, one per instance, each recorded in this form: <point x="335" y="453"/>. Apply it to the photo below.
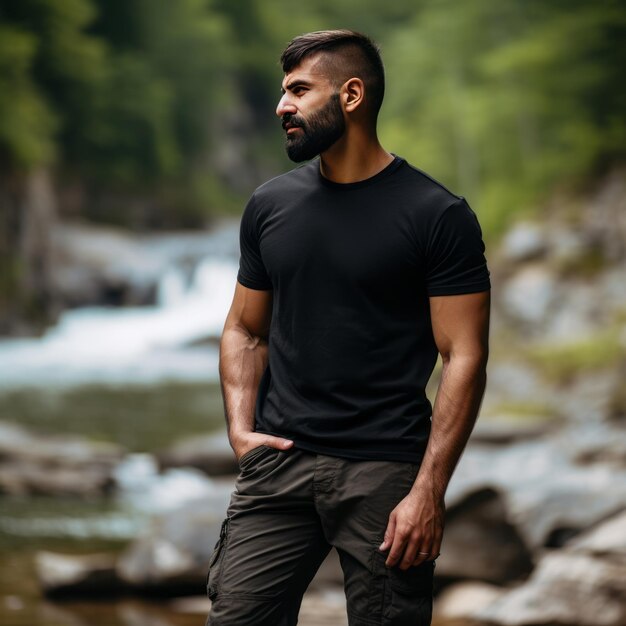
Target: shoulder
<point x="431" y="197"/>
<point x="294" y="181"/>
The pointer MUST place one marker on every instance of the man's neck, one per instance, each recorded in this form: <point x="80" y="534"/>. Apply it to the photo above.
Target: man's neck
<point x="353" y="159"/>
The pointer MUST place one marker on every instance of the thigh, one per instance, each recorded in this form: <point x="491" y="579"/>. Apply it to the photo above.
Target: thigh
<point x="366" y="492"/>
<point x="270" y="546"/>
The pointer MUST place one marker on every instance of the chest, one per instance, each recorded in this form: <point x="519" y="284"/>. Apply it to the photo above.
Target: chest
<point x="348" y="243"/>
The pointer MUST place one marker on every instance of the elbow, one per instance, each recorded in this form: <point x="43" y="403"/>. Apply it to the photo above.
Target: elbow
<point x="475" y="359"/>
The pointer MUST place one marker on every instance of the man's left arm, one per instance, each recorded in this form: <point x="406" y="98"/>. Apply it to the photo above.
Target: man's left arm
<point x="461" y="330"/>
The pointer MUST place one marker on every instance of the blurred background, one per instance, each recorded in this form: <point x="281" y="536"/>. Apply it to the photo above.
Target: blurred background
<point x="132" y="133"/>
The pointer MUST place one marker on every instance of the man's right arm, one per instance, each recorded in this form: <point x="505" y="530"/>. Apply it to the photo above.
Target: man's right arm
<point x="243" y="359"/>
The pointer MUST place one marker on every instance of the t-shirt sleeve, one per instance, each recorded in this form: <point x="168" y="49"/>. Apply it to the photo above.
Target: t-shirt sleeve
<point x="252" y="272"/>
<point x="455" y="253"/>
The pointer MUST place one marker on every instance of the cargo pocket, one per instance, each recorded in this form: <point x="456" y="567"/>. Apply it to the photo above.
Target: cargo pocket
<point x="376" y="587"/>
<point x="409" y="595"/>
<point x="215" y="564"/>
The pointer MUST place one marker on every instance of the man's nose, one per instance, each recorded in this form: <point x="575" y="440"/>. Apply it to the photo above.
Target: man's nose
<point x="285" y="106"/>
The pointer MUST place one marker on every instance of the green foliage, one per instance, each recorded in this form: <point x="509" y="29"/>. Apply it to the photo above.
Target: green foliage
<point x="499" y="99"/>
<point x="27" y="123"/>
<point x="139" y="418"/>
<point x="518" y="411"/>
<point x="562" y="362"/>
<point x="502" y="100"/>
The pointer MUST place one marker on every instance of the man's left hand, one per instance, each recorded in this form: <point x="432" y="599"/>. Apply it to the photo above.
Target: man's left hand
<point x="415" y="529"/>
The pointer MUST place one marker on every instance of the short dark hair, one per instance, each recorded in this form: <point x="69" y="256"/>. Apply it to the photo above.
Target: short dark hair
<point x="351" y="54"/>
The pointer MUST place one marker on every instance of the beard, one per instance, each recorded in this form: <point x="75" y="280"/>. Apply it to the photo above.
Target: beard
<point x="317" y="133"/>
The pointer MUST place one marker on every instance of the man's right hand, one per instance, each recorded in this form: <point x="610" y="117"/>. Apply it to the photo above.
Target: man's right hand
<point x="245" y="442"/>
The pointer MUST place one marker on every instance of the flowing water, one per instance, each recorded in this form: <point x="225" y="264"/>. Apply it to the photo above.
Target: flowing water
<point x="140" y="345"/>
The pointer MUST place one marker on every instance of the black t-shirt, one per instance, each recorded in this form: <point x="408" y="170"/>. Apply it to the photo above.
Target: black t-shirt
<point x="351" y="267"/>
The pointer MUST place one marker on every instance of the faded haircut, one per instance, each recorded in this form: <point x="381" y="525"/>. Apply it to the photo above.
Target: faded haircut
<point x="344" y="54"/>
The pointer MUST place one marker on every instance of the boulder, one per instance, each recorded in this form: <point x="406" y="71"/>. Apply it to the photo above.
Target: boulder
<point x="96" y="265"/>
<point x="549" y="495"/>
<point x="210" y="453"/>
<point x="524" y="241"/>
<point x="53" y="465"/>
<point x="583" y="584"/>
<point x="566" y="588"/>
<point x="172" y="556"/>
<point x="480" y="543"/>
<point x="62" y="574"/>
<point x="507" y="429"/>
<point x="462" y="601"/>
<point x="529" y="294"/>
<point x="605" y="540"/>
<point x="99" y="265"/>
<point x="568" y="245"/>
<point x="595" y="443"/>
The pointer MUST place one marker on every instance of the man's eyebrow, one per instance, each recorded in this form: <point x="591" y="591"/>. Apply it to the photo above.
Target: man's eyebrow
<point x="296" y="83"/>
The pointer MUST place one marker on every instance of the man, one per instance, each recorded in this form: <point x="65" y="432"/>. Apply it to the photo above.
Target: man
<point x="356" y="270"/>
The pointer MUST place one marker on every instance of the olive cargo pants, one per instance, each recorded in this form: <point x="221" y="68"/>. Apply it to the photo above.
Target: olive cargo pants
<point x="287" y="511"/>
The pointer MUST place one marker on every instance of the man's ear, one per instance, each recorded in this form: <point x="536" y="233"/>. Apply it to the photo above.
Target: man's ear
<point x="352" y="94"/>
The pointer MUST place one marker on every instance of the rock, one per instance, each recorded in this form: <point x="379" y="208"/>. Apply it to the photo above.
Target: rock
<point x="606" y="540"/>
<point x="578" y="313"/>
<point x="594" y="443"/>
<point x="525" y="241"/>
<point x="509" y="429"/>
<point x="567" y="245"/>
<point x="549" y="495"/>
<point x="566" y="589"/>
<point x="61" y="574"/>
<point x="210" y="453"/>
<point x="480" y="543"/>
<point x="463" y="601"/>
<point x="140" y="486"/>
<point x="20" y="479"/>
<point x="517" y="392"/>
<point x="612" y="288"/>
<point x="514" y="381"/>
<point x="586" y="398"/>
<point x="172" y="557"/>
<point x="616" y="407"/>
<point x="529" y="294"/>
<point x="53" y="465"/>
<point x="96" y="265"/>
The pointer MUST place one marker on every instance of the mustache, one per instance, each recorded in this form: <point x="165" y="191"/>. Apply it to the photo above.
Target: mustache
<point x="292" y="121"/>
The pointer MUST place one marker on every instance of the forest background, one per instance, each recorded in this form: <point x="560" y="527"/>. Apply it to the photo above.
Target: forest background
<point x="153" y="115"/>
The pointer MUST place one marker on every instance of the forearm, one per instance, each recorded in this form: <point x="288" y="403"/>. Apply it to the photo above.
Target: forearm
<point x="455" y="410"/>
<point x="243" y="359"/>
